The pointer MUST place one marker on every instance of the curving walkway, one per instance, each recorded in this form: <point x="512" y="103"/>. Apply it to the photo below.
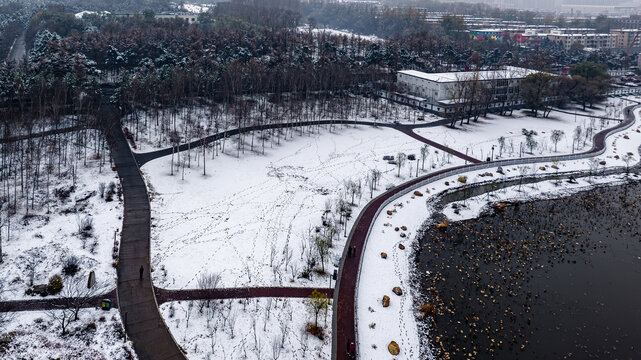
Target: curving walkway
<point x="143" y="158"/>
<point x="344" y="315"/>
<point x="42" y="134"/>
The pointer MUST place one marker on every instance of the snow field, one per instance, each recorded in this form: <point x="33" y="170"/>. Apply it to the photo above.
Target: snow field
<point x="41" y="242"/>
<point x="477" y="138"/>
<point x="97" y="335"/>
<point x="229" y="221"/>
<point x="248" y="329"/>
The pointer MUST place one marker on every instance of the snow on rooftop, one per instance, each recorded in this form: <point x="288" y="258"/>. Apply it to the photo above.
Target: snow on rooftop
<point x="509" y="72"/>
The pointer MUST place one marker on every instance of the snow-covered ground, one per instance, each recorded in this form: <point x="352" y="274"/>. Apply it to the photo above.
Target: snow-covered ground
<point x="44" y="238"/>
<point x="339" y="33"/>
<point x="97" y="335"/>
<point x="42" y="242"/>
<point x="265" y="328"/>
<point x="477" y="138"/>
<point x="230" y="220"/>
<point x="379" y="276"/>
<point x="552" y="189"/>
<point x="196" y="8"/>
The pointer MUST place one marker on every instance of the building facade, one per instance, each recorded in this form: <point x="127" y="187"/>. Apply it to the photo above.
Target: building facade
<point x="593" y="40"/>
<point x="437" y="91"/>
<point x="625" y="37"/>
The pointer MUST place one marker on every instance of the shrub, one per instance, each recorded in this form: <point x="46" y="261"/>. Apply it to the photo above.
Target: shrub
<point x="71" y="266"/>
<point x="55" y="284"/>
<point x="111" y="190"/>
<point x="316" y="331"/>
<point x="85" y="227"/>
<point x="101" y="189"/>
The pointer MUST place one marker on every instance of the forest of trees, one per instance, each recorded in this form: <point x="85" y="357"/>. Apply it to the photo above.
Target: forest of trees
<point x="238" y="69"/>
<point x="539" y="92"/>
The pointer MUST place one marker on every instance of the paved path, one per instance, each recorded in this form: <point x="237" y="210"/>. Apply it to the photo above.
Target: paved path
<point x="42" y="134"/>
<point x="18" y="49"/>
<point x="138" y="309"/>
<point x="54" y="303"/>
<point x="410" y="132"/>
<point x="344" y="315"/>
<point x="143" y="158"/>
<point x="163" y="295"/>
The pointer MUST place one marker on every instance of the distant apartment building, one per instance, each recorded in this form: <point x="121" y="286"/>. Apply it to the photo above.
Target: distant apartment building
<point x="630" y="22"/>
<point x="434" y="91"/>
<point x="587" y="40"/>
<point x="190" y="18"/>
<point x="625" y="37"/>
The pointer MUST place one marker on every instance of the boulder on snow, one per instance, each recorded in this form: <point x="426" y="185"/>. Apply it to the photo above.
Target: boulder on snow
<point x="396" y="229"/>
<point x="602" y="162"/>
<point x="418" y="193"/>
<point x="393" y="348"/>
<point x="385" y="301"/>
<point x="389" y="212"/>
<point x="428" y="309"/>
<point x="397" y="290"/>
<point x="384" y="255"/>
<point x="84" y="196"/>
<point x="401" y="246"/>
<point x="404" y="228"/>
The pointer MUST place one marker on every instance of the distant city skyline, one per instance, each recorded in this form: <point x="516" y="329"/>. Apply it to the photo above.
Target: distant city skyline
<point x="611" y="7"/>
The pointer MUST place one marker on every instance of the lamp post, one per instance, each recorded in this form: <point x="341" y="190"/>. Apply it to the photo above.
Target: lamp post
<point x="492" y="153"/>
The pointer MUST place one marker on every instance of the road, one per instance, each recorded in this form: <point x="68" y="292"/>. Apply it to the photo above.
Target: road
<point x="18" y="49"/>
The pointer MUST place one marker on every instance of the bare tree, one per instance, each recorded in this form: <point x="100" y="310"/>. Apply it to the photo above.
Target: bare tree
<point x="400" y="161"/>
<point x="231" y="319"/>
<point x="556" y="136"/>
<point x="62" y="316"/>
<point x="207" y="280"/>
<point x="78" y="295"/>
<point x="425" y="150"/>
<point x="628" y="158"/>
<point x="276" y="349"/>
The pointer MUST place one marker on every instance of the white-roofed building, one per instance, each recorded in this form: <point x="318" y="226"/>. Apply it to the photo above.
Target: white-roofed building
<point x="438" y="88"/>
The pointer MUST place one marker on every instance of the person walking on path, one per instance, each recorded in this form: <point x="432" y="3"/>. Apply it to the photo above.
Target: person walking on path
<point x="142" y="270"/>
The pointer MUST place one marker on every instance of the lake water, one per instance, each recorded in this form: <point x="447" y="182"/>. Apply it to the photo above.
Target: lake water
<point x="553" y="279"/>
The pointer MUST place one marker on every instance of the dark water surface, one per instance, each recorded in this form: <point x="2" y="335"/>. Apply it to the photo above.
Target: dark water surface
<point x="553" y="279"/>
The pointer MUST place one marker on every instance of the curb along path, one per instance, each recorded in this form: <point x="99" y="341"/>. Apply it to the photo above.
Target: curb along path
<point x="344" y="315"/>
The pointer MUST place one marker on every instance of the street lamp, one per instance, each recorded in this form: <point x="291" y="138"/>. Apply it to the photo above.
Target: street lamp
<point x="492" y="152"/>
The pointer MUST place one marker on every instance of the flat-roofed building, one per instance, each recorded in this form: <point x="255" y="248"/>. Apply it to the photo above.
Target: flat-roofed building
<point x="625" y="37"/>
<point x="594" y="41"/>
<point x="438" y="89"/>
